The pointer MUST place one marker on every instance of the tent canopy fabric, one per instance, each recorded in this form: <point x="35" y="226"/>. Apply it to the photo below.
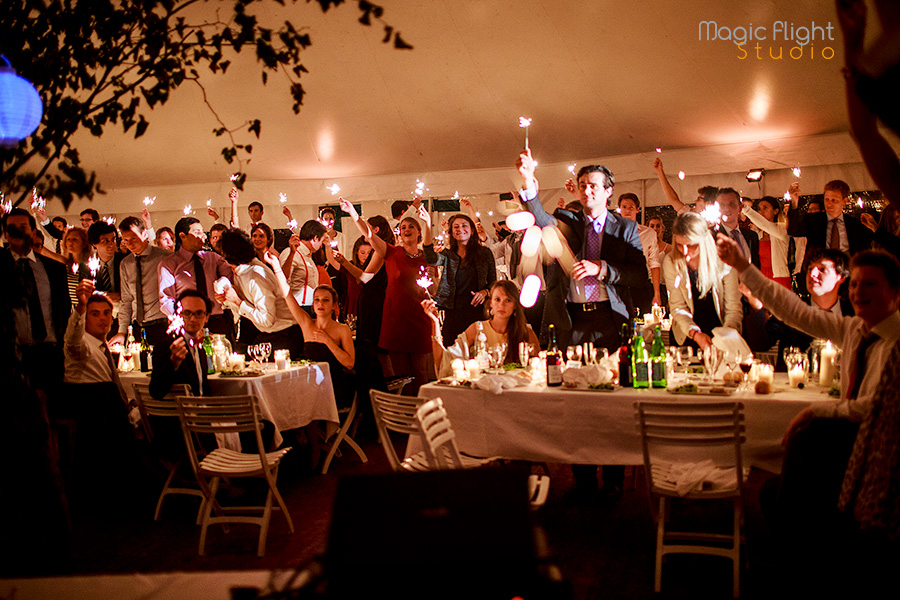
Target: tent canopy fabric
<point x="603" y="82"/>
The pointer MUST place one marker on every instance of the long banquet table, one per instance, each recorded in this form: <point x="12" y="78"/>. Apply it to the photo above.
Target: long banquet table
<point x="289" y="399"/>
<point x="593" y="427"/>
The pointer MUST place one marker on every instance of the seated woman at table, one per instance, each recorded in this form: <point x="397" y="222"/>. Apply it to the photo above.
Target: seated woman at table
<point x="703" y="291"/>
<point x="506" y="324"/>
<point x="325" y="339"/>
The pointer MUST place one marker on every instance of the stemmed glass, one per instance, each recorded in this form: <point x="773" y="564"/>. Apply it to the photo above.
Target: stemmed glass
<point x="712" y="358"/>
<point x="574" y="353"/>
<point x="265" y="350"/>
<point x="525" y="350"/>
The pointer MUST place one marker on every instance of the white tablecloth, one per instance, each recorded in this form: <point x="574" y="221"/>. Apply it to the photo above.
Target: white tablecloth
<point x="289" y="399"/>
<point x="588" y="427"/>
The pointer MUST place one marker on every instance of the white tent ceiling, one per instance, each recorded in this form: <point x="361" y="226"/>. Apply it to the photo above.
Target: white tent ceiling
<point x="600" y="79"/>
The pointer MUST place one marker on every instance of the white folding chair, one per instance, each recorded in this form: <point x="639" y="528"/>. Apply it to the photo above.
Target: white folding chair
<point x="669" y="427"/>
<point x="166" y="408"/>
<point x="343" y="435"/>
<point x="398" y="414"/>
<point x="228" y="414"/>
<point x="441" y="451"/>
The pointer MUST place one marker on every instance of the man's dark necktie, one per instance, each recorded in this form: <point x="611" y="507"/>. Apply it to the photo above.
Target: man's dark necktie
<point x="115" y="373"/>
<point x="139" y="289"/>
<point x="199" y="274"/>
<point x="35" y="313"/>
<point x="859" y="366"/>
<point x="103" y="282"/>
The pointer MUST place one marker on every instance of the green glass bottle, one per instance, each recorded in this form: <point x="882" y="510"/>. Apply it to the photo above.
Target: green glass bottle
<point x="145" y="352"/>
<point x="640" y="358"/>
<point x="208" y="349"/>
<point x="658" y="360"/>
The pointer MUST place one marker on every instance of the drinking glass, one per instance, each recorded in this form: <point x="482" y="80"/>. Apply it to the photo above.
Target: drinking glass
<point x="712" y="358"/>
<point x="574" y="353"/>
<point x="265" y="350"/>
<point x="525" y="350"/>
<point x="789" y="352"/>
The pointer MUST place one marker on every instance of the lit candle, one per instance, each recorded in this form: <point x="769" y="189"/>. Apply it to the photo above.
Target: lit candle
<point x="766" y="373"/>
<point x="473" y="368"/>
<point x="826" y="364"/>
<point x="236" y="361"/>
<point x="796" y="375"/>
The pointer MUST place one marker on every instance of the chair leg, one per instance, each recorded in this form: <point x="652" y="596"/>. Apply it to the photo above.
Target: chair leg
<point x="165" y="490"/>
<point x="342" y="436"/>
<point x="213" y="488"/>
<point x="660" y="539"/>
<point x="736" y="558"/>
<point x="264" y="525"/>
<point x="280" y="500"/>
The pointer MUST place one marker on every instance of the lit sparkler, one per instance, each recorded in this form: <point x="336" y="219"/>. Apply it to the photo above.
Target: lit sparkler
<point x="282" y="197"/>
<point x="176" y="323"/>
<point x="333" y="243"/>
<point x="712" y="214"/>
<point x="5" y="205"/>
<point x="93" y="266"/>
<point x="333" y="188"/>
<point x="234" y="177"/>
<point x="572" y="168"/>
<point x="187" y="210"/>
<point x="455" y="195"/>
<point x="209" y="202"/>
<point x="787" y="196"/>
<point x="37" y="201"/>
<point x="424" y="281"/>
<point x="796" y="171"/>
<point x="420" y="188"/>
<point x="74" y="268"/>
<point x="110" y="220"/>
<point x="525" y="123"/>
<point x="148" y="200"/>
<point x="681" y="175"/>
<point x="659" y="150"/>
<point x="292" y="224"/>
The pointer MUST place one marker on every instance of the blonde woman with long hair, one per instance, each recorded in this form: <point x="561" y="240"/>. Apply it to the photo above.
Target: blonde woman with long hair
<point x="703" y="291"/>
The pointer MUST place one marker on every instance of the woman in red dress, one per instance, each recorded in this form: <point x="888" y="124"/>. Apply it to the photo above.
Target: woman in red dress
<point x="405" y="328"/>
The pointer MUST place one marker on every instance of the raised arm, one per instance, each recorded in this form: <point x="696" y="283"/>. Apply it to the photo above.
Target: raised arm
<point x="529" y="191"/>
<point x="378" y="244"/>
<point x="776" y="230"/>
<point x="300" y="315"/>
<point x="233" y="198"/>
<point x="668" y="190"/>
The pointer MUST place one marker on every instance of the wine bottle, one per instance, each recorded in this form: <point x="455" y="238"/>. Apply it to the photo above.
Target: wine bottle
<point x="554" y="360"/>
<point x="640" y="358"/>
<point x="208" y="349"/>
<point x="625" y="379"/>
<point x="481" y="347"/>
<point x="658" y="360"/>
<point x="144" y="352"/>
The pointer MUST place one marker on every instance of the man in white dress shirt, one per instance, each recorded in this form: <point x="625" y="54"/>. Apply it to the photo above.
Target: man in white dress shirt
<point x="820" y="438"/>
<point x="297" y="262"/>
<point x="629" y="205"/>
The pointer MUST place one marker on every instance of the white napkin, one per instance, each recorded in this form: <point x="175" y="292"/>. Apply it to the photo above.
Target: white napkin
<point x="727" y="339"/>
<point x="497" y="383"/>
<point x="588" y="375"/>
<point x="704" y="475"/>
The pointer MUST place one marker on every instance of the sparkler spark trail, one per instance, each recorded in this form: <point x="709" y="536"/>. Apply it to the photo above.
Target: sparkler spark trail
<point x="282" y="197"/>
<point x="292" y="224"/>
<point x="93" y="266"/>
<point x="424" y="281"/>
<point x="334" y="188"/>
<point x="796" y="171"/>
<point x="234" y="177"/>
<point x="110" y="220"/>
<point x="148" y="200"/>
<point x="37" y="201"/>
<point x="712" y="214"/>
<point x="525" y="123"/>
<point x="572" y="168"/>
<point x="187" y="210"/>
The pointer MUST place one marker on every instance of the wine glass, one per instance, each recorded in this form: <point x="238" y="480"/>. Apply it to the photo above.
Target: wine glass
<point x="712" y="358"/>
<point x="525" y="350"/>
<point x="788" y="353"/>
<point x="265" y="350"/>
<point x="253" y="351"/>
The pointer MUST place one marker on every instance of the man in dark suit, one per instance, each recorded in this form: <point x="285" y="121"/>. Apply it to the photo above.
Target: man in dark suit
<point x="591" y="303"/>
<point x="102" y="237"/>
<point x="184" y="361"/>
<point x="729" y="200"/>
<point x="42" y="312"/>
<point x="832" y="228"/>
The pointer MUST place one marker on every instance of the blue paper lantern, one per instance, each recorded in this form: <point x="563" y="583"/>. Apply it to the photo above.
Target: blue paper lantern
<point x="21" y="108"/>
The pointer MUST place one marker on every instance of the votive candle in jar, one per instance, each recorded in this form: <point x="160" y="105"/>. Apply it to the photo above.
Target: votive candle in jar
<point x="765" y="373"/>
<point x="796" y="375"/>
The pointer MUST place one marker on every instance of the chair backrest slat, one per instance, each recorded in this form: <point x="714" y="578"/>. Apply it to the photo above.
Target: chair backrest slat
<point x="150" y="406"/>
<point x="394" y="413"/>
<point x="440" y="439"/>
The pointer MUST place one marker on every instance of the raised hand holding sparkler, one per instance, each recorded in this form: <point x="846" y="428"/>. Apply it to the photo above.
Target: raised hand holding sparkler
<point x="93" y="267"/>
